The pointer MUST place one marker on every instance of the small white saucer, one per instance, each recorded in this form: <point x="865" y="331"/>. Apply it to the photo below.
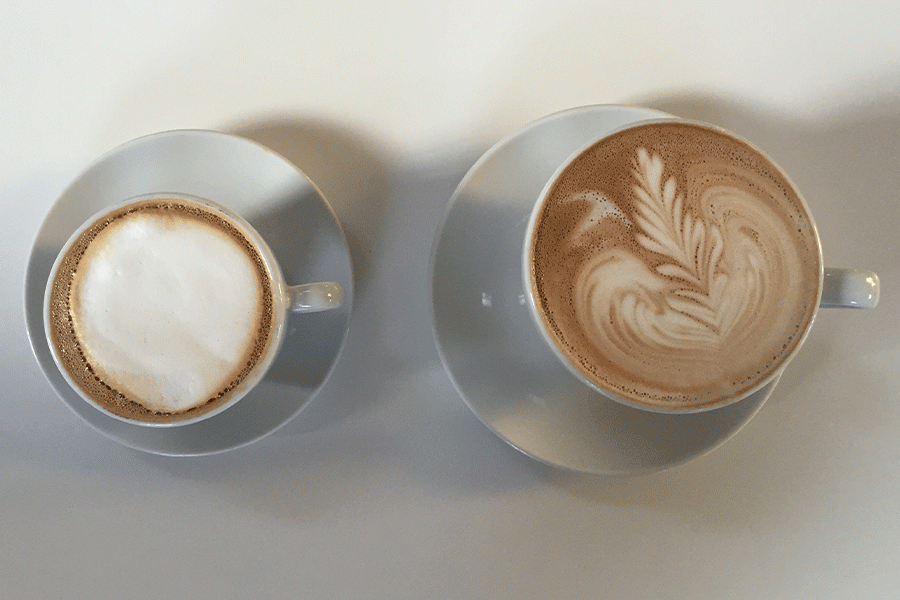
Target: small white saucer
<point x="287" y="210"/>
<point x="492" y="349"/>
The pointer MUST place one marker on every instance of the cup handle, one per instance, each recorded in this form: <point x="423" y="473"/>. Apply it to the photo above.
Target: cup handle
<point x="313" y="297"/>
<point x="849" y="288"/>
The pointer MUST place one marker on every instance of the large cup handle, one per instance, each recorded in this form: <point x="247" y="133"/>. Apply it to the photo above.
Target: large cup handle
<point x="849" y="288"/>
<point x="313" y="297"/>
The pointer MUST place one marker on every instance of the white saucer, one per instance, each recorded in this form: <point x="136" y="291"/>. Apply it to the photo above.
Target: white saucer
<point x="490" y="346"/>
<point x="281" y="203"/>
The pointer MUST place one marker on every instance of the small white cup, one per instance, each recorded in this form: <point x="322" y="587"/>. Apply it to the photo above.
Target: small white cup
<point x="309" y="297"/>
<point x="838" y="288"/>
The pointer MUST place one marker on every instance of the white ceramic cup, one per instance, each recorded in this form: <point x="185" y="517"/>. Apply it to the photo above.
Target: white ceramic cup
<point x="837" y="288"/>
<point x="309" y="297"/>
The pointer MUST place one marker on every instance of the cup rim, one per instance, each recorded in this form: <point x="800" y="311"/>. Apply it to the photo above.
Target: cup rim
<point x="538" y="321"/>
<point x="279" y="312"/>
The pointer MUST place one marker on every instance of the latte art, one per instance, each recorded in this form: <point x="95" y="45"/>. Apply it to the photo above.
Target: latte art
<point x="670" y="281"/>
<point x="706" y="290"/>
<point x="161" y="309"/>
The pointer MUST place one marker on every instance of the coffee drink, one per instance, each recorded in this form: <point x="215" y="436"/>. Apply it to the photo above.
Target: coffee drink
<point x="674" y="266"/>
<point x="160" y="310"/>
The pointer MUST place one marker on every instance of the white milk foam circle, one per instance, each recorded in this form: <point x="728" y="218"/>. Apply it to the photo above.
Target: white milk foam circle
<point x="160" y="310"/>
<point x="166" y="308"/>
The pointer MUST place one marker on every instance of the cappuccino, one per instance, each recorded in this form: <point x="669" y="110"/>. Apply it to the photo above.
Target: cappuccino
<point x="674" y="266"/>
<point x="160" y="309"/>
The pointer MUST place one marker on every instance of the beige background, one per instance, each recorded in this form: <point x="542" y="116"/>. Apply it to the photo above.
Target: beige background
<point x="386" y="486"/>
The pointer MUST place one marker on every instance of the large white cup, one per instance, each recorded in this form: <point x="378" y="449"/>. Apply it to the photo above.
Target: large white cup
<point x="830" y="287"/>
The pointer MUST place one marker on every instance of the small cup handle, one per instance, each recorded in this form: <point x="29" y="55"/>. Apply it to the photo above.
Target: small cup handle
<point x="849" y="288"/>
<point x="313" y="297"/>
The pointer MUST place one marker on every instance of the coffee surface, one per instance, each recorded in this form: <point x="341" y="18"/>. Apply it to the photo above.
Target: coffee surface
<point x="161" y="309"/>
<point x="674" y="265"/>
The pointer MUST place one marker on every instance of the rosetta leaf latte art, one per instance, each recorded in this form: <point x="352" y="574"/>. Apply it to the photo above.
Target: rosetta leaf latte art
<point x="674" y="266"/>
<point x="694" y="247"/>
<point x="706" y="282"/>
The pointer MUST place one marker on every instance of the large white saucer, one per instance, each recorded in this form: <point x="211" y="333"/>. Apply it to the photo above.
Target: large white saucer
<point x="491" y="348"/>
<point x="286" y="209"/>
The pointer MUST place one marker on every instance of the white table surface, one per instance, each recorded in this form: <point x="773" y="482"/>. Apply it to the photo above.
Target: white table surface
<point x="386" y="486"/>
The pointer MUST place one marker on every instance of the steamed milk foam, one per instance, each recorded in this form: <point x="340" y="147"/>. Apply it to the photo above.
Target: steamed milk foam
<point x="161" y="309"/>
<point x="674" y="266"/>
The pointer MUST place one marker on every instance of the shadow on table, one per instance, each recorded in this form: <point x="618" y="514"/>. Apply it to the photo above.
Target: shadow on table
<point x="355" y="178"/>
